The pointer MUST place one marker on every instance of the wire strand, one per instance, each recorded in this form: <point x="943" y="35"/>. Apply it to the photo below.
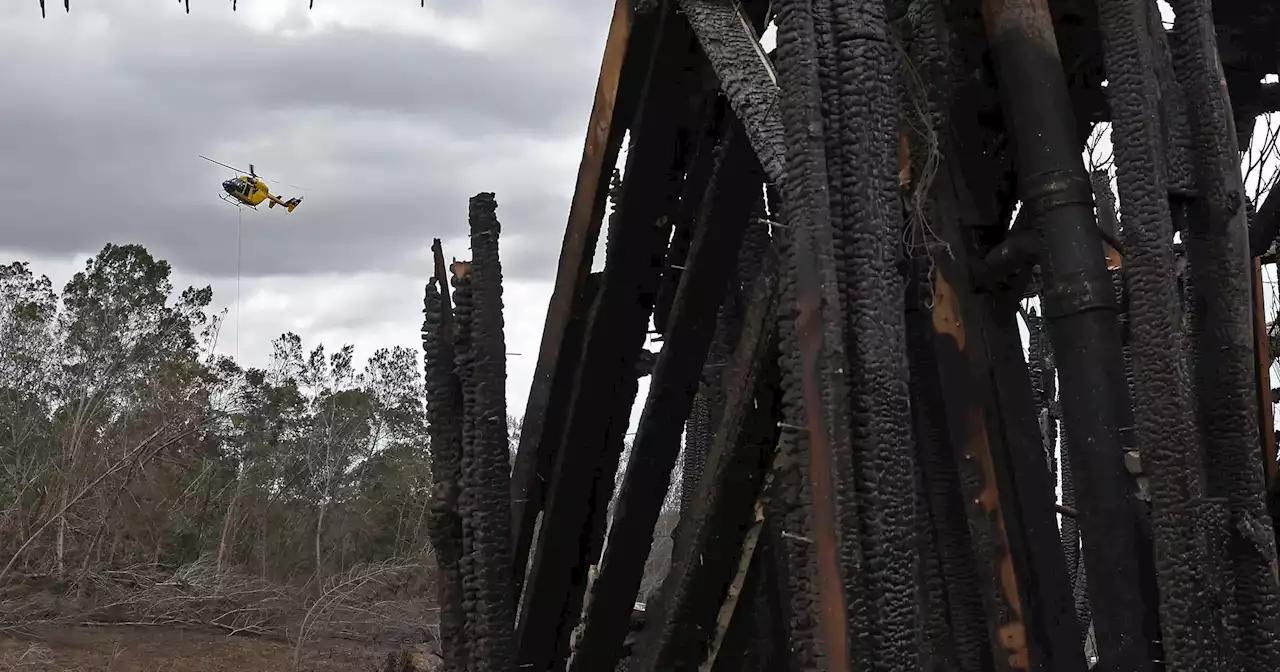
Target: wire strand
<point x="239" y="253"/>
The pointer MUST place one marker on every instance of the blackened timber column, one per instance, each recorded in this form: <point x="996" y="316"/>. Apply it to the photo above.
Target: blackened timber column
<point x="1217" y="247"/>
<point x="1080" y="307"/>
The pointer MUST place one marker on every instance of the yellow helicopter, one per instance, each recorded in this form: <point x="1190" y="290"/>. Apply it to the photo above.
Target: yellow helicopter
<point x="250" y="190"/>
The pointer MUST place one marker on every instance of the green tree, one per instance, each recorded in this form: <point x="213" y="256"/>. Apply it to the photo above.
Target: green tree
<point x="126" y="382"/>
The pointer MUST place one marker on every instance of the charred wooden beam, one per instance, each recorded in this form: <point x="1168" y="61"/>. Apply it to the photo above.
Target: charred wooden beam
<point x="1050" y="603"/>
<point x="711" y="535"/>
<point x="751" y="636"/>
<point x="1218" y="260"/>
<point x="697" y="444"/>
<point x="873" y="478"/>
<point x="744" y="640"/>
<point x="701" y="163"/>
<point x="623" y="72"/>
<point x="709" y="405"/>
<point x="657" y="441"/>
<point x="1014" y="562"/>
<point x="1154" y="179"/>
<point x="731" y="41"/>
<point x="591" y="542"/>
<point x="968" y="577"/>
<point x="441" y="279"/>
<point x="793" y="541"/>
<point x="1021" y="573"/>
<point x="815" y="390"/>
<point x="615" y="336"/>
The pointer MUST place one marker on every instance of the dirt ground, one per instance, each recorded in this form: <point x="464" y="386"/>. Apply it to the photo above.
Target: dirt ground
<point x="162" y="649"/>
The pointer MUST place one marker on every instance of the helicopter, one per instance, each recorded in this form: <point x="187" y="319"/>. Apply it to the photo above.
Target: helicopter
<point x="251" y="190"/>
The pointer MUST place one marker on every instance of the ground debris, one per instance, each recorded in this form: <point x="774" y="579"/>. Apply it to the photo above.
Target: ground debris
<point x="417" y="658"/>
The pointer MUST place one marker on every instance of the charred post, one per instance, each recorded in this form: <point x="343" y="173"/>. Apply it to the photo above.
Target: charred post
<point x="463" y="357"/>
<point x="1221" y="277"/>
<point x="859" y="78"/>
<point x="1080" y="309"/>
<point x="1164" y="427"/>
<point x="814" y="390"/>
<point x="791" y="507"/>
<point x="486" y="454"/>
<point x="444" y="414"/>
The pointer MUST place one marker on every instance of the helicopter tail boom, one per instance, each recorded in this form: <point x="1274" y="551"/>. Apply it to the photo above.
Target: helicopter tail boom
<point x="289" y="204"/>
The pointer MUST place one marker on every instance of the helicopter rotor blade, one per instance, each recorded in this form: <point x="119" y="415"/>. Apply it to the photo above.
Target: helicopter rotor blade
<point x="220" y="163"/>
<point x="279" y="183"/>
<point x="252" y="172"/>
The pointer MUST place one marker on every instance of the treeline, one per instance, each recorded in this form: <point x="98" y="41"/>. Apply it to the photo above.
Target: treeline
<point x="125" y="441"/>
<point x="146" y="478"/>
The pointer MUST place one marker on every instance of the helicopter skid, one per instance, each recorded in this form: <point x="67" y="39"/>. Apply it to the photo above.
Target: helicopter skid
<point x="236" y="202"/>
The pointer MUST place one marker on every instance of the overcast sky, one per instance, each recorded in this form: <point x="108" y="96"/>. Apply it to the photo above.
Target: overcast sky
<point x="390" y="115"/>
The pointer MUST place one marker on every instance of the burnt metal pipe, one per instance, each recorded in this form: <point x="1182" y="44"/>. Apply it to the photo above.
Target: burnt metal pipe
<point x="1081" y="314"/>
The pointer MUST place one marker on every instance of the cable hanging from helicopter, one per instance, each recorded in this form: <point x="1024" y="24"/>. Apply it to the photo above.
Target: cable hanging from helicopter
<point x="248" y="189"/>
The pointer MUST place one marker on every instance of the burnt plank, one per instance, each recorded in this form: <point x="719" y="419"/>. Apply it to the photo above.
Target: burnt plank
<point x="657" y="441"/>
<point x="966" y="643"/>
<point x="731" y="40"/>
<point x="615" y="336"/>
<point x="710" y="538"/>
<point x="756" y="636"/>
<point x="1031" y="515"/>
<point x="966" y="407"/>
<point x="730" y="645"/>
<point x="590" y="543"/>
<point x="1018" y="594"/>
<point x="695" y="187"/>
<point x="441" y="277"/>
<point x="623" y="70"/>
<point x="815" y="384"/>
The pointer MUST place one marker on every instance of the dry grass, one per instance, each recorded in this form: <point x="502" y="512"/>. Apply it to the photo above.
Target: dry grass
<point x="389" y="603"/>
<point x="172" y="649"/>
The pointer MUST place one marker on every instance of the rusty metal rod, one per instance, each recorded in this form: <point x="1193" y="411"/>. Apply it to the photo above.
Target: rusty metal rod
<point x="1080" y="308"/>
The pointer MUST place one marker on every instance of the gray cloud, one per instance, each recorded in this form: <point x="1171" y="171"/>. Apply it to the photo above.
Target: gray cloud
<point x="105" y="110"/>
